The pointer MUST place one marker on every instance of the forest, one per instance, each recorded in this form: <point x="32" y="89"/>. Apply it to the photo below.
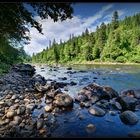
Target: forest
<point x="118" y="41"/>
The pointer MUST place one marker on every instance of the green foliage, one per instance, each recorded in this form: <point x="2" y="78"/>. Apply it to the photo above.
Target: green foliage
<point x="118" y="41"/>
<point x="121" y="59"/>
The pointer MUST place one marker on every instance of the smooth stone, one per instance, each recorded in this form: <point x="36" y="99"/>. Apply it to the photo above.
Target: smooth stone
<point x="90" y="128"/>
<point x="14" y="97"/>
<point x="48" y="108"/>
<point x="113" y="113"/>
<point x="17" y="119"/>
<point x="128" y="117"/>
<point x="2" y="102"/>
<point x="10" y="114"/>
<point x="96" y="111"/>
<point x="17" y="101"/>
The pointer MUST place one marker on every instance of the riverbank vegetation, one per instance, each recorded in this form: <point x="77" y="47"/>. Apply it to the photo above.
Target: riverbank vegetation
<point x="118" y="41"/>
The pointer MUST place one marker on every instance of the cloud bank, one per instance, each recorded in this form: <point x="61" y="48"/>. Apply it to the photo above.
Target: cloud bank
<point x="62" y="30"/>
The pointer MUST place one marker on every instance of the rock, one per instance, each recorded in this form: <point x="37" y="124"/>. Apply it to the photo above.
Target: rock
<point x="41" y="115"/>
<point x="82" y="71"/>
<point x="26" y="100"/>
<point x="31" y="106"/>
<point x="21" y="110"/>
<point x="81" y="117"/>
<point x="42" y="88"/>
<point x="72" y="83"/>
<point x="85" y="104"/>
<point x="22" y="125"/>
<point x="127" y="102"/>
<point x="110" y="91"/>
<point x="24" y="69"/>
<point x="81" y="98"/>
<point x="59" y="85"/>
<point x="2" y="102"/>
<point x="128" y="117"/>
<point x="14" y="97"/>
<point x="63" y="100"/>
<point x="40" y="124"/>
<point x="65" y="89"/>
<point x="90" y="128"/>
<point x="95" y="78"/>
<point x="17" y="119"/>
<point x="69" y="68"/>
<point x="63" y="78"/>
<point x="17" y="101"/>
<point x="128" y="93"/>
<point x="96" y="111"/>
<point x="116" y="105"/>
<point x="113" y="113"/>
<point x="135" y="134"/>
<point x="98" y="92"/>
<point x="48" y="108"/>
<point x="137" y="94"/>
<point x="10" y="114"/>
<point x="49" y="100"/>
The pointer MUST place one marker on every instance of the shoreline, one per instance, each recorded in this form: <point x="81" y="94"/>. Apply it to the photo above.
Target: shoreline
<point x="85" y="63"/>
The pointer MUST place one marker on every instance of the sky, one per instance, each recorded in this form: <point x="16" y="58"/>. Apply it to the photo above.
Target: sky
<point x="86" y="15"/>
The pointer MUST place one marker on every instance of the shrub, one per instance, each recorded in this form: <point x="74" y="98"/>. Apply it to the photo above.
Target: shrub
<point x="121" y="59"/>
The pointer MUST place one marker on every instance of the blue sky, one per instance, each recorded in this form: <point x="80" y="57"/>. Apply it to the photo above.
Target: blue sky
<point x="86" y="15"/>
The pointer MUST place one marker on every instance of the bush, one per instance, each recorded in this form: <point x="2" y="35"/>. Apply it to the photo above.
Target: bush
<point x="135" y="59"/>
<point x="121" y="59"/>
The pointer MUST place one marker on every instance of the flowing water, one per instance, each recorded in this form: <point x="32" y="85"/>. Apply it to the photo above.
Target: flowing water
<point x="117" y="76"/>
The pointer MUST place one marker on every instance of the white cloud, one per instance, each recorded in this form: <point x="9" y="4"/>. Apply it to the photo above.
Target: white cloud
<point x="62" y="30"/>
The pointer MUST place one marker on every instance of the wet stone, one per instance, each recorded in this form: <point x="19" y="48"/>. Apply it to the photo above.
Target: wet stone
<point x="96" y="111"/>
<point x="128" y="117"/>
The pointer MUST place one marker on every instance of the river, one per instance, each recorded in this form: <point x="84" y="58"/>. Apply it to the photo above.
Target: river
<point x="119" y="77"/>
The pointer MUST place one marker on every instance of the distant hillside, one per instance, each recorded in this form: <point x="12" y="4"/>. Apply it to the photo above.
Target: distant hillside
<point x="118" y="41"/>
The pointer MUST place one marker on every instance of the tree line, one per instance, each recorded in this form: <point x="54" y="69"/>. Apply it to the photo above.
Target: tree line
<point x="117" y="41"/>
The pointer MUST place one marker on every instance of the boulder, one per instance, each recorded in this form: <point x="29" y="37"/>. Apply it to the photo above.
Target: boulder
<point x="128" y="117"/>
<point x="96" y="111"/>
<point x="24" y="68"/>
<point x="63" y="100"/>
<point x="127" y="102"/>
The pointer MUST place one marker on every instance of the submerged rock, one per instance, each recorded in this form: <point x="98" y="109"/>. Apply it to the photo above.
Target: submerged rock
<point x="90" y="128"/>
<point x="96" y="111"/>
<point x="128" y="117"/>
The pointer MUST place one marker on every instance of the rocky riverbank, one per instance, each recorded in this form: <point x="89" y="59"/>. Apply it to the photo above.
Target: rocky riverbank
<point x="21" y="91"/>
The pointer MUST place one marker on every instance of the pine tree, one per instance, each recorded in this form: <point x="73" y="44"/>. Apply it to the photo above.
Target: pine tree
<point x="115" y="20"/>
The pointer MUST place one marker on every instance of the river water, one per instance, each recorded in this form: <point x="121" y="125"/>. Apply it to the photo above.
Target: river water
<point x="117" y="76"/>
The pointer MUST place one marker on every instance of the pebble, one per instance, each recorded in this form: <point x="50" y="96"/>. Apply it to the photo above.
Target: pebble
<point x="10" y="114"/>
